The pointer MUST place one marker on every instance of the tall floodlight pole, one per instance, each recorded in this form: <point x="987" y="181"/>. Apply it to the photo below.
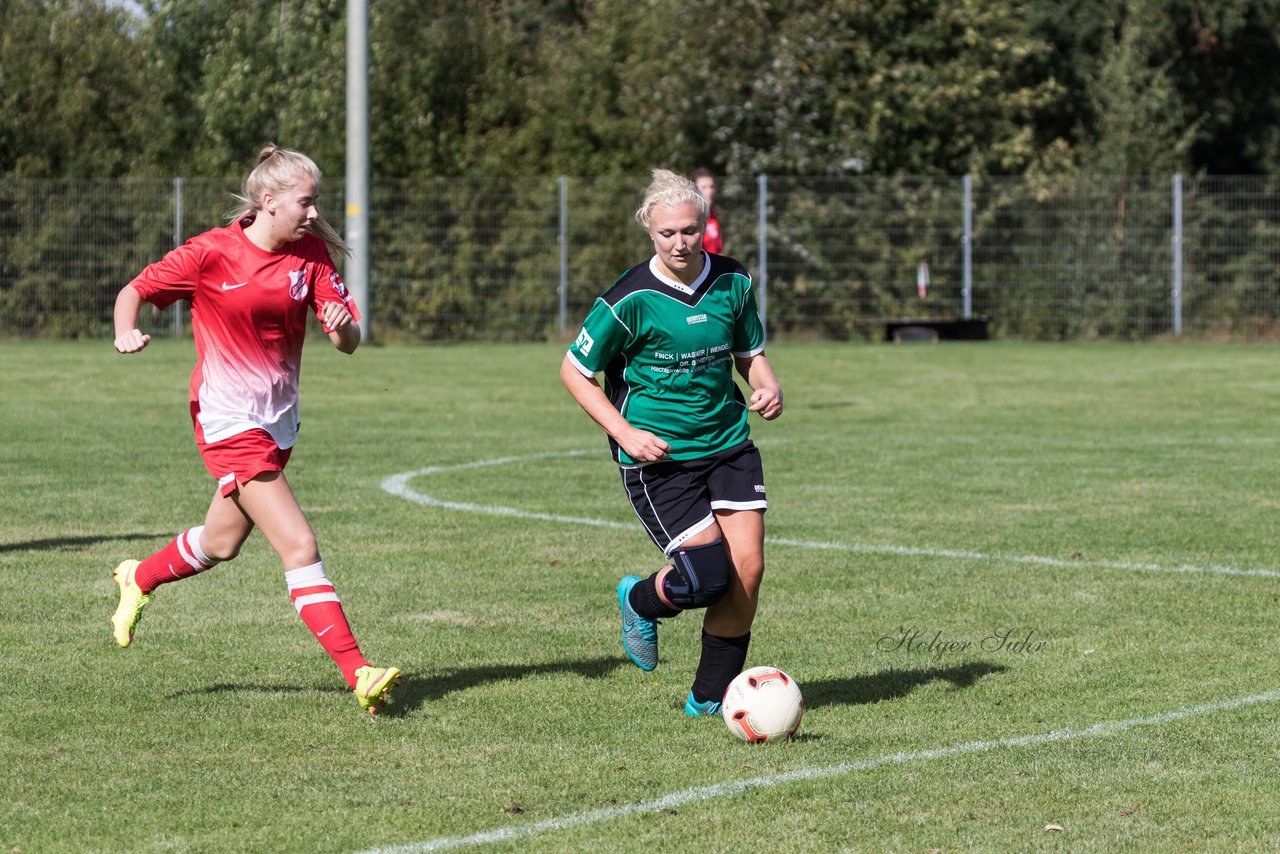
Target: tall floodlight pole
<point x="356" y="271"/>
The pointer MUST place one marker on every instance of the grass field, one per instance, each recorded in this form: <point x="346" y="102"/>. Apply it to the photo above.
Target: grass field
<point x="1024" y="587"/>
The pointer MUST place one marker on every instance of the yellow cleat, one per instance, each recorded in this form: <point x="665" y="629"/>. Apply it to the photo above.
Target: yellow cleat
<point x="373" y="686"/>
<point x="132" y="601"/>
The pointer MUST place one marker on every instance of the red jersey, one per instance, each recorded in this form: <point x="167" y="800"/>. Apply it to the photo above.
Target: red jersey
<point x="249" y="317"/>
<point x="712" y="241"/>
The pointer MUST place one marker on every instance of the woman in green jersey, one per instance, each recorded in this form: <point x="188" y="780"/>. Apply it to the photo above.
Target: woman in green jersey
<point x="667" y="337"/>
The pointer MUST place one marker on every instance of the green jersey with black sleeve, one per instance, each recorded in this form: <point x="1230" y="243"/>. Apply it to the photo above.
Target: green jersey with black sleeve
<point x="666" y="352"/>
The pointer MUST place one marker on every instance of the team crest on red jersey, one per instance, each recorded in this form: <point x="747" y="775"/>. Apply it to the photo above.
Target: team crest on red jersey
<point x="298" y="284"/>
<point x="338" y="287"/>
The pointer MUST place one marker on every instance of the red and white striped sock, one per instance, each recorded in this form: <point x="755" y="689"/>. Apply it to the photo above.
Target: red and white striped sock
<point x="182" y="558"/>
<point x="318" y="605"/>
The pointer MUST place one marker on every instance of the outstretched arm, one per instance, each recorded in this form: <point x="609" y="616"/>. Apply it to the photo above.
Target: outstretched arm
<point x="641" y="445"/>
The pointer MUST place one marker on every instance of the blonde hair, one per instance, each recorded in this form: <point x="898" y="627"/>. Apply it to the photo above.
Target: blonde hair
<point x="279" y="170"/>
<point x="671" y="190"/>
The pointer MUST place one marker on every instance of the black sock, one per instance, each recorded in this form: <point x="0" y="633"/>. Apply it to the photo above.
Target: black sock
<point x="645" y="602"/>
<point x="722" y="659"/>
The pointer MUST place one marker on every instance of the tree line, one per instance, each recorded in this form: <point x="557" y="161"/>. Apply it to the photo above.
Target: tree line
<point x="513" y="88"/>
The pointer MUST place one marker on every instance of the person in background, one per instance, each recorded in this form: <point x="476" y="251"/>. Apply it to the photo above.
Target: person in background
<point x="667" y="336"/>
<point x="712" y="239"/>
<point x="251" y="285"/>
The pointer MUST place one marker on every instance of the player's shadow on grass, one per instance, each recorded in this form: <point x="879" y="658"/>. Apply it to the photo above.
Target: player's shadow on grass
<point x="892" y="683"/>
<point x="424" y="687"/>
<point x="64" y="544"/>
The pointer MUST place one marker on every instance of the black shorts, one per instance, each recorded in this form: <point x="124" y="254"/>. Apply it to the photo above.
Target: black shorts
<point x="675" y="499"/>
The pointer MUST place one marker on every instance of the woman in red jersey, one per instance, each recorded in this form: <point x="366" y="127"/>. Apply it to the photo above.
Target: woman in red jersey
<point x="251" y="285"/>
<point x="705" y="180"/>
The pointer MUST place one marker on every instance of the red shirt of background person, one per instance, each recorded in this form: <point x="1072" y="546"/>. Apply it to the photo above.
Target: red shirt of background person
<point x="251" y="285"/>
<point x="712" y="239"/>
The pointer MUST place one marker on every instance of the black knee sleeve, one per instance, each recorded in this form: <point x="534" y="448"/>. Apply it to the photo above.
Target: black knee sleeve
<point x="699" y="576"/>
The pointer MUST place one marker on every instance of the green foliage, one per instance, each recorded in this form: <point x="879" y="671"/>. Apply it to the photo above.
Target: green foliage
<point x="426" y="63"/>
<point x="844" y="254"/>
<point x="466" y="260"/>
<point x="1150" y="82"/>
<point x="1231" y="280"/>
<point x="612" y="87"/>
<point x="525" y="91"/>
<point x="1141" y="125"/>
<point x="1104" y="273"/>
<point x="69" y="83"/>
<point x="1227" y="73"/>
<point x="228" y="77"/>
<point x="62" y="269"/>
<point x="946" y="86"/>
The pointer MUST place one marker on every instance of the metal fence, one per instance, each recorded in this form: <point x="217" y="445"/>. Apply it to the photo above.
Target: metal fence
<point x="500" y="259"/>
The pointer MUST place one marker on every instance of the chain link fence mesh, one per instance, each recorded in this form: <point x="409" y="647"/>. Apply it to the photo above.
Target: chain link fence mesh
<point x="1075" y="258"/>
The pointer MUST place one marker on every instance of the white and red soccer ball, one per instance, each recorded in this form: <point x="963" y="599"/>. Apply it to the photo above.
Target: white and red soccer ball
<point x="763" y="704"/>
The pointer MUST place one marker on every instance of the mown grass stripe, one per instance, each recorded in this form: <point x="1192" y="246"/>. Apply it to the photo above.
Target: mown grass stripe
<point x="398" y="485"/>
<point x="734" y="787"/>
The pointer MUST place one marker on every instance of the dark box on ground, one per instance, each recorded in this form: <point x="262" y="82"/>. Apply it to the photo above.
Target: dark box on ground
<point x="929" y="329"/>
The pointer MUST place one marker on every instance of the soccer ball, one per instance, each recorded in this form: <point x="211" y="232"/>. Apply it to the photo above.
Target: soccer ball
<point x="763" y="704"/>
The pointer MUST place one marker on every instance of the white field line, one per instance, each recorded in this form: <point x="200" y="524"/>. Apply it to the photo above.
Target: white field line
<point x="398" y="485"/>
<point x="734" y="787"/>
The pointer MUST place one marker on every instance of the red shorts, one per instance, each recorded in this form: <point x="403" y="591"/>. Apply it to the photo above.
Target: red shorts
<point x="239" y="458"/>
